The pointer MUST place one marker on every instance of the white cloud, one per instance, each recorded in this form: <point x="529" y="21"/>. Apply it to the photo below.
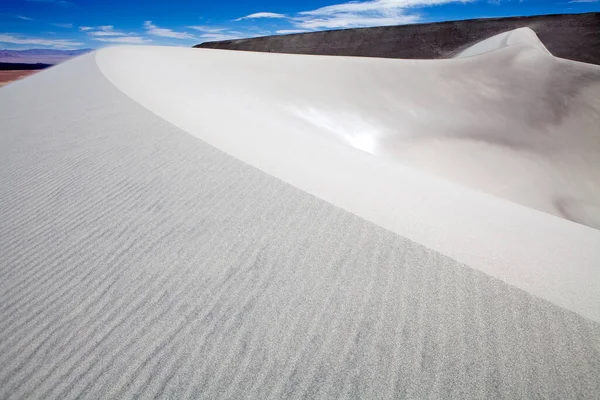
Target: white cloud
<point x="59" y="43"/>
<point x="108" y="34"/>
<point x="261" y="15"/>
<point x="215" y="37"/>
<point x="357" y="14"/>
<point x="207" y="29"/>
<point x="365" y="13"/>
<point x="63" y="25"/>
<point x="350" y="20"/>
<point x="60" y="25"/>
<point x="216" y="33"/>
<point x="124" y="39"/>
<point x="154" y="30"/>
<point x="105" y="30"/>
<point x="378" y="6"/>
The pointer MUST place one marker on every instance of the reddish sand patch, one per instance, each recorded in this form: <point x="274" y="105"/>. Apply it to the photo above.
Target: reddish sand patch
<point x="9" y="76"/>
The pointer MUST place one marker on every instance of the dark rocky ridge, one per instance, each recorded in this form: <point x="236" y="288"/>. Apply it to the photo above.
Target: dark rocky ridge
<point x="22" y="66"/>
<point x="571" y="36"/>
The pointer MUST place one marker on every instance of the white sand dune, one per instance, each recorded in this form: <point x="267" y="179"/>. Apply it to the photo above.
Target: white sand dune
<point x="516" y="123"/>
<point x="184" y="223"/>
<point x="523" y="36"/>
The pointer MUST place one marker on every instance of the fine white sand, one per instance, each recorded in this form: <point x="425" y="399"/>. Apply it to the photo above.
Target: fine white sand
<point x="515" y="123"/>
<point x="523" y="36"/>
<point x="182" y="223"/>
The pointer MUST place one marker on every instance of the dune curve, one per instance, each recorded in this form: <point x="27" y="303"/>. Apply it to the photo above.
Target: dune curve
<point x="327" y="236"/>
<point x="317" y="122"/>
<point x="524" y="36"/>
<point x="531" y="114"/>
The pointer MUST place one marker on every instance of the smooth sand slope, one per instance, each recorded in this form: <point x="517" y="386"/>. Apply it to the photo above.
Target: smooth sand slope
<point x="276" y="226"/>
<point x="521" y="36"/>
<point x="516" y="123"/>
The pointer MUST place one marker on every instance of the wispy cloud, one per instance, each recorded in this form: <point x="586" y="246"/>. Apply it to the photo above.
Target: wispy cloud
<point x="108" y="34"/>
<point x="216" y="33"/>
<point x="154" y="30"/>
<point x="60" y="25"/>
<point x="261" y="15"/>
<point x="60" y="43"/>
<point x="104" y="30"/>
<point x="63" y="25"/>
<point x="215" y="37"/>
<point x="351" y="20"/>
<point x="379" y="6"/>
<point x="365" y="13"/>
<point x="124" y="39"/>
<point x="207" y="29"/>
<point x="359" y="14"/>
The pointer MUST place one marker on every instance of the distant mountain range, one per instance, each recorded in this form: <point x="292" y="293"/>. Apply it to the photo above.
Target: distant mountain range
<point x="572" y="36"/>
<point x="36" y="56"/>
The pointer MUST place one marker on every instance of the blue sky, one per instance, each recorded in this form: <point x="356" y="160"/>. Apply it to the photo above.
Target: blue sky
<point x="70" y="24"/>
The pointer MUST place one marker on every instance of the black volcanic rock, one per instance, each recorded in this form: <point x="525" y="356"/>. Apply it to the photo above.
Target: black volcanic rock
<point x="571" y="36"/>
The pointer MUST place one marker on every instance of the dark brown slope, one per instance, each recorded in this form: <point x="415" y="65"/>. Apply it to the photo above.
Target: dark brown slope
<point x="572" y="36"/>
